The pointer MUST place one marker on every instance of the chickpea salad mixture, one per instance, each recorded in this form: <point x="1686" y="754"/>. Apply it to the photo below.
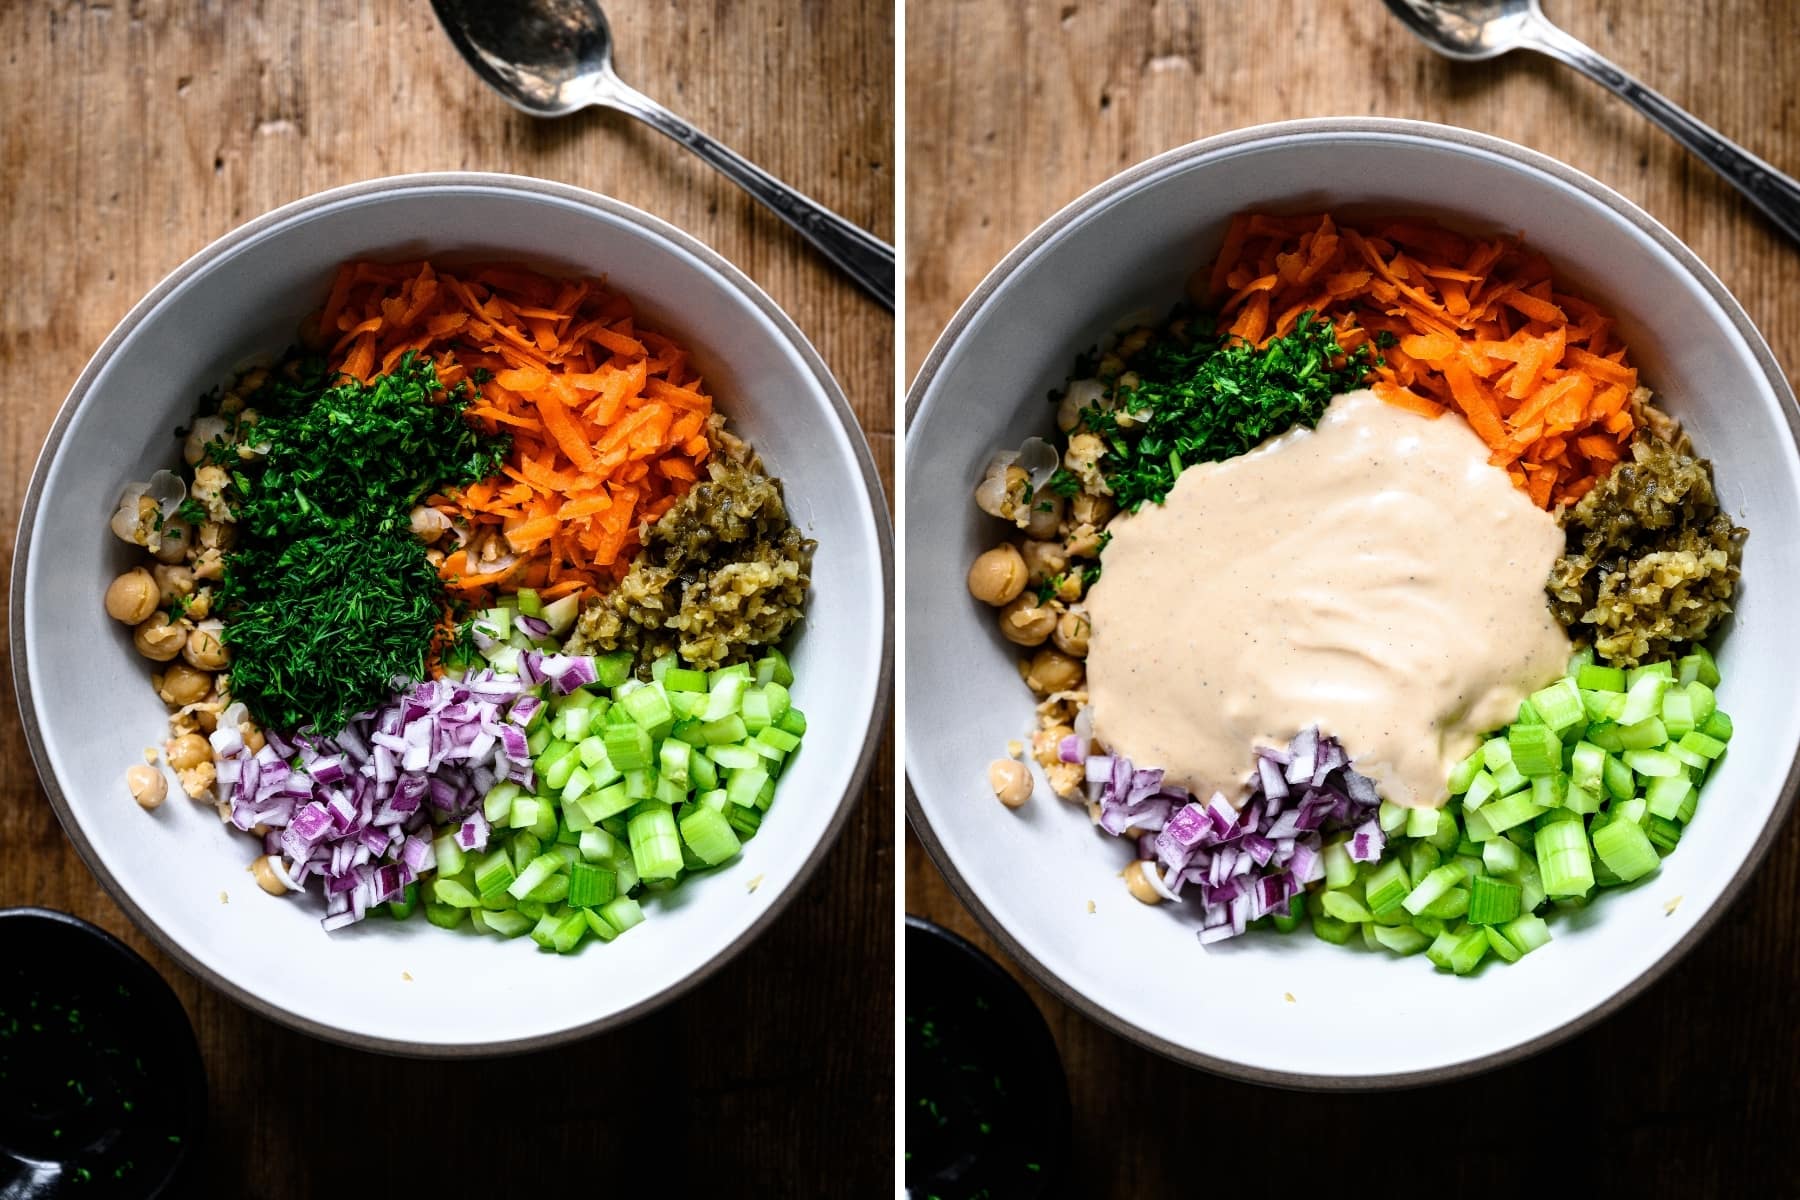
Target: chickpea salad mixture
<point x="1370" y="590"/>
<point x="470" y="603"/>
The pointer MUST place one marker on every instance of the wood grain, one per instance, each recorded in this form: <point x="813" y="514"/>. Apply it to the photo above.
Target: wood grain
<point x="1014" y="110"/>
<point x="134" y="133"/>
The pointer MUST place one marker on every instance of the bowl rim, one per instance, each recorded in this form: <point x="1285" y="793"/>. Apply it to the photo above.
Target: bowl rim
<point x="1519" y="158"/>
<point x="658" y="229"/>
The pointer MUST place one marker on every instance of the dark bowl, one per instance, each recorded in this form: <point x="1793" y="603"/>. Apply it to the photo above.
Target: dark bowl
<point x="101" y="1089"/>
<point x="987" y="1107"/>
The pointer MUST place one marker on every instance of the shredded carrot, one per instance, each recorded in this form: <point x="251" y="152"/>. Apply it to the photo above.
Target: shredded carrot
<point x="1473" y="324"/>
<point x="607" y="420"/>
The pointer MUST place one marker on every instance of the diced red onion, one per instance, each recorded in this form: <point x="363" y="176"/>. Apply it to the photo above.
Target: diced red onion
<point x="1251" y="860"/>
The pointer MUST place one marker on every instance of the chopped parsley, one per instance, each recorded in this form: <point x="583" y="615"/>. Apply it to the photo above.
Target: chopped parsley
<point x="329" y="595"/>
<point x="192" y="511"/>
<point x="1208" y="400"/>
<point x="1065" y="483"/>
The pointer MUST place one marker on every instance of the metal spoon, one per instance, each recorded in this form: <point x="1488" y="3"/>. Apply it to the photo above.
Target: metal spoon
<point x="1472" y="30"/>
<point x="552" y="57"/>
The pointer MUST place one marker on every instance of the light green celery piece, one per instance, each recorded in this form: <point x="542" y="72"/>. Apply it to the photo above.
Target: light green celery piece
<point x="1559" y="706"/>
<point x="1625" y="849"/>
<point x="449" y="855"/>
<point x="1421" y="822"/>
<point x="708" y="834"/>
<point x="1563" y="858"/>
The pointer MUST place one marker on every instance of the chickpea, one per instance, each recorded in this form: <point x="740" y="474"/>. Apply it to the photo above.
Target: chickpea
<point x="187" y="752"/>
<point x="997" y="576"/>
<point x="266" y="879"/>
<point x="1071" y="634"/>
<point x="174" y="539"/>
<point x="173" y="581"/>
<point x="209" y="564"/>
<point x="253" y="737"/>
<point x="201" y="605"/>
<point x="1089" y="509"/>
<point x="182" y="684"/>
<point x="217" y="535"/>
<point x="428" y="524"/>
<point x="999" y="492"/>
<point x="202" y="433"/>
<point x="251" y="381"/>
<point x="1025" y="622"/>
<point x="208" y="488"/>
<point x="131" y="597"/>
<point x="1044" y="560"/>
<point x="1011" y="781"/>
<point x="1140" y="887"/>
<point x="1083" y="542"/>
<point x="1082" y="459"/>
<point x="1070" y="586"/>
<point x="148" y="785"/>
<point x="159" y="638"/>
<point x="1053" y="671"/>
<point x="1134" y="341"/>
<point x="435" y="557"/>
<point x="204" y="648"/>
<point x="1046" y="515"/>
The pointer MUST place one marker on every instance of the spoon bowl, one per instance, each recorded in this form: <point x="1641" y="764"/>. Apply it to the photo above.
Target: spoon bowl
<point x="1467" y="30"/>
<point x="542" y="57"/>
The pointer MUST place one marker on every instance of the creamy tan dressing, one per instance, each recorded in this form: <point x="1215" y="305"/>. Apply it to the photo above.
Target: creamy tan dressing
<point x="1376" y="577"/>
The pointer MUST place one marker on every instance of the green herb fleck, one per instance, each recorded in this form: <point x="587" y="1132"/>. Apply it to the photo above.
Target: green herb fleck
<point x="192" y="511"/>
<point x="1065" y="483"/>
<point x="1209" y="400"/>
<point x="329" y="595"/>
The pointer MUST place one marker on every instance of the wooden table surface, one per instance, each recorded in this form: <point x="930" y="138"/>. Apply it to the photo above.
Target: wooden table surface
<point x="1014" y="110"/>
<point x="133" y="133"/>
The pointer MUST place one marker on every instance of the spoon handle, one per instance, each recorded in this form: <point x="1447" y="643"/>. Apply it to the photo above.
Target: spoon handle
<point x="1777" y="194"/>
<point x="865" y="258"/>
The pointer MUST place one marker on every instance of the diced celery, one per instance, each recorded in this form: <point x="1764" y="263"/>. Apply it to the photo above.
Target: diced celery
<point x="1531" y="883"/>
<point x="655" y="844"/>
<point x="794" y="721"/>
<point x="1600" y="679"/>
<point x="524" y="813"/>
<point x="1704" y="700"/>
<point x="451" y="892"/>
<point x="1481" y="790"/>
<point x="1527" y="932"/>
<point x="1401" y="939"/>
<point x="1625" y="849"/>
<point x="1688" y="806"/>
<point x="628" y="747"/>
<point x="1508" y="811"/>
<point x="497" y="805"/>
<point x="1461" y="777"/>
<point x="1501" y="945"/>
<point x="507" y="922"/>
<point x="1663" y="669"/>
<point x="1477" y="827"/>
<point x="1471" y="946"/>
<point x="773" y="668"/>
<point x="536" y="871"/>
<point x="727" y="730"/>
<point x="742" y="788"/>
<point x="1493" y="901"/>
<point x="672" y="763"/>
<point x="538" y="739"/>
<point x="1432" y="887"/>
<point x="709" y="835"/>
<point x="445" y="916"/>
<point x="1582" y="657"/>
<point x="1385" y="887"/>
<point x="1452" y="904"/>
<point x="1643" y="699"/>
<point x="1703" y="744"/>
<point x="649" y="708"/>
<point x="779" y="739"/>
<point x="1618" y="780"/>
<point x="1510" y="778"/>
<point x="557" y="776"/>
<point x="1563" y="859"/>
<point x="1344" y="907"/>
<point x="1584" y="800"/>
<point x="521" y="848"/>
<point x="569" y="932"/>
<point x="1663" y="832"/>
<point x="755" y="710"/>
<point x="1496" y="752"/>
<point x="493" y="873"/>
<point x="1500" y="856"/>
<point x="726" y="694"/>
<point x="1653" y="763"/>
<point x="1665" y="795"/>
<point x="590" y="885"/>
<point x="1421" y="822"/>
<point x="1645" y="735"/>
<point x="1605" y="734"/>
<point x="544" y="932"/>
<point x="1547" y="791"/>
<point x="1586" y="763"/>
<point x="613" y="669"/>
<point x="622" y="913"/>
<point x="1527" y="715"/>
<point x="1330" y="929"/>
<point x="1422" y="859"/>
<point x="1559" y="706"/>
<point x="551" y="891"/>
<point x="1678" y="712"/>
<point x="448" y="853"/>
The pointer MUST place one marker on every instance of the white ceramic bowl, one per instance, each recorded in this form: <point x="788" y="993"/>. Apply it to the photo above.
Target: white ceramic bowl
<point x="1355" y="1019"/>
<point x="89" y="711"/>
